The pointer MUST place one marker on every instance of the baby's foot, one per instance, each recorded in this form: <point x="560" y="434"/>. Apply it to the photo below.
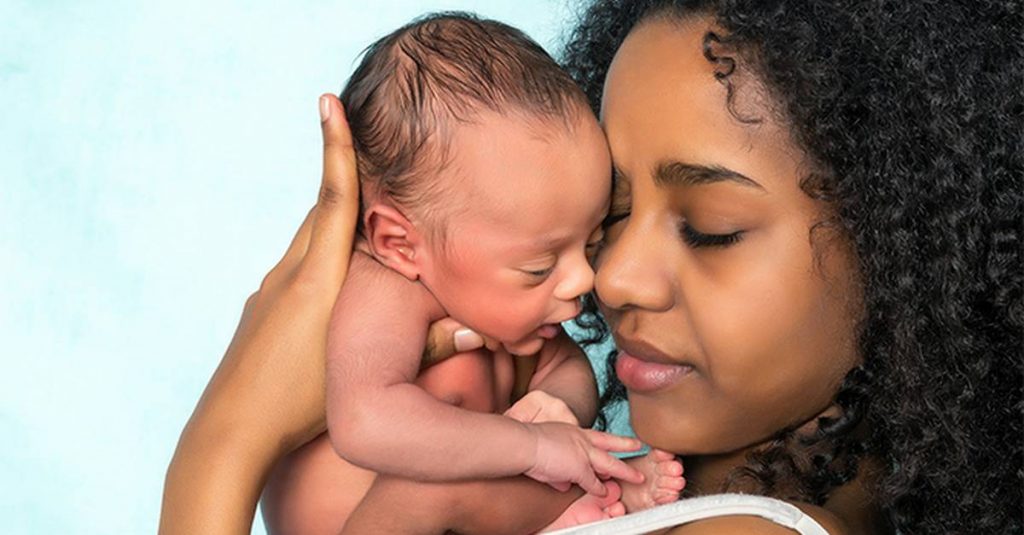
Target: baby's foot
<point x="590" y="508"/>
<point x="663" y="480"/>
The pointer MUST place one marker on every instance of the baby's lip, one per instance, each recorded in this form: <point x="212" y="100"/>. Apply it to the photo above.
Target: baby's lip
<point x="549" y="331"/>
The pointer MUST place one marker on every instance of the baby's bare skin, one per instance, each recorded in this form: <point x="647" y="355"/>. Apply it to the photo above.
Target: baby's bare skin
<point x="313" y="491"/>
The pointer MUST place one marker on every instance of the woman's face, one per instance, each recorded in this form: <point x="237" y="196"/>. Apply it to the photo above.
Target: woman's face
<point x="732" y="323"/>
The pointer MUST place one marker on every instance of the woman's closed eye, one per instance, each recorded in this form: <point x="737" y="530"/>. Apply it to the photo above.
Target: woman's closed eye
<point x="695" y="238"/>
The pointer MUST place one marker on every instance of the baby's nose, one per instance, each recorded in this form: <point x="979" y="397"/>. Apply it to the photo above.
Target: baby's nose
<point x="578" y="280"/>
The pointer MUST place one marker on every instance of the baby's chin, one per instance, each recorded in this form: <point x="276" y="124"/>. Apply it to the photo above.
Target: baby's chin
<point x="526" y="347"/>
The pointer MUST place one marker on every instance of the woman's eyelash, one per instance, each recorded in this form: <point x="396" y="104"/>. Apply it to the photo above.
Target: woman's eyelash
<point x="693" y="238"/>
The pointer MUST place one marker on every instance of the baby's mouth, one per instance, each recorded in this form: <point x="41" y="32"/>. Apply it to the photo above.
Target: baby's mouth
<point x="548" y="331"/>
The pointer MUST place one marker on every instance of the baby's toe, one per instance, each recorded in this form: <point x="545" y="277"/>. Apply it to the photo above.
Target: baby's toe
<point x="671" y="483"/>
<point x="669" y="468"/>
<point x="664" y="497"/>
<point x="616" y="509"/>
<point x="661" y="455"/>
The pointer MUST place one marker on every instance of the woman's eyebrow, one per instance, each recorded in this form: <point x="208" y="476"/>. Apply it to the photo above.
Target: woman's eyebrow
<point x="675" y="173"/>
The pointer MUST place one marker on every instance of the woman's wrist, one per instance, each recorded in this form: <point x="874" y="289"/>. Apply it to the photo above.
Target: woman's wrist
<point x="214" y="482"/>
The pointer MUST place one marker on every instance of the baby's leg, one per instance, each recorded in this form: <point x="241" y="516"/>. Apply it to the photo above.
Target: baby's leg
<point x="313" y="491"/>
<point x="663" y="481"/>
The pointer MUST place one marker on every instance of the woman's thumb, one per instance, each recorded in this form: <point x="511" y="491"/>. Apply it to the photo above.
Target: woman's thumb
<point x="446" y="338"/>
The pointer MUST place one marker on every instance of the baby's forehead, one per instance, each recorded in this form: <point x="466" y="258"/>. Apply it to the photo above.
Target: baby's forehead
<point x="504" y="152"/>
<point x="511" y="174"/>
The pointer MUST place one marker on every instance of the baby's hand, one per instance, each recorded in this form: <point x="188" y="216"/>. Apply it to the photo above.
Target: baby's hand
<point x="538" y="406"/>
<point x="566" y="454"/>
<point x="663" y="480"/>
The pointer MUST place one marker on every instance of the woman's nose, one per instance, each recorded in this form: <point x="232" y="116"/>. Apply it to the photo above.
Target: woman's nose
<point x="631" y="273"/>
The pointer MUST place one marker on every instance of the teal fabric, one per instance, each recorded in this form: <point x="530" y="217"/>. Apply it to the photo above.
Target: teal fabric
<point x="155" y="158"/>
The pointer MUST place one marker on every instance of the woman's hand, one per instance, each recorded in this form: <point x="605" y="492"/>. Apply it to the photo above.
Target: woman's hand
<point x="267" y="396"/>
<point x="448" y="337"/>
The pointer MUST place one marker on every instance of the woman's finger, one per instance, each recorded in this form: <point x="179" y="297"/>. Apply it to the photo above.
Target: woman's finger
<point x="337" y="207"/>
<point x="446" y="338"/>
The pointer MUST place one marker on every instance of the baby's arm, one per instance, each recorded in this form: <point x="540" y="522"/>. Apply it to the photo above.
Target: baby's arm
<point x="564" y="372"/>
<point x="378" y="419"/>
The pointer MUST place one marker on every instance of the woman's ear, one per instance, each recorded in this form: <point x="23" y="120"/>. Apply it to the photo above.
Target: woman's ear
<point x="394" y="240"/>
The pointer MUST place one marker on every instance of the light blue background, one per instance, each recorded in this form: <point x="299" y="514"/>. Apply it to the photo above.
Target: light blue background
<point x="155" y="159"/>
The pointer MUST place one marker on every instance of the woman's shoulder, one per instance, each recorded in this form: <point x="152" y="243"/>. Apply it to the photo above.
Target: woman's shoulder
<point x="748" y="524"/>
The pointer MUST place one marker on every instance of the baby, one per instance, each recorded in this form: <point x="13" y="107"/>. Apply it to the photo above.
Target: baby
<point x="484" y="181"/>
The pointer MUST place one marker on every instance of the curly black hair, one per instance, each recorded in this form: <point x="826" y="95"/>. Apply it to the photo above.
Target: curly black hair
<point x="912" y="112"/>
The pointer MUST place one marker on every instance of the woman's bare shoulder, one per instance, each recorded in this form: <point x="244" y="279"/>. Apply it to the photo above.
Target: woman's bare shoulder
<point x="751" y="525"/>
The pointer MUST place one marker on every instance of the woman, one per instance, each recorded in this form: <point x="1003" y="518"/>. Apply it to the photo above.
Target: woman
<point x="812" y="270"/>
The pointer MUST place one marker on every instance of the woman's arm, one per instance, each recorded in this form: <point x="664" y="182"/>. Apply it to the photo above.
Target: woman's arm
<point x="267" y="396"/>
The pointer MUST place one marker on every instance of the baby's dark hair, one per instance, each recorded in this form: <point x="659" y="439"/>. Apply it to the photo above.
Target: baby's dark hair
<point x="415" y="84"/>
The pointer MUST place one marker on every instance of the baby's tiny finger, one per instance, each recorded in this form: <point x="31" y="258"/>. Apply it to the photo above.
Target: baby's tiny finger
<point x="609" y="442"/>
<point x="560" y="486"/>
<point x="609" y="466"/>
<point x="592" y="485"/>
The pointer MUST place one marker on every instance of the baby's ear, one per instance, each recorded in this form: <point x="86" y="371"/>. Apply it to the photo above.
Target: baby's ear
<point x="393" y="239"/>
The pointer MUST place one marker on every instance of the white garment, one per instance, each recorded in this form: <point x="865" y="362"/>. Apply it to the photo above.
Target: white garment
<point x="693" y="509"/>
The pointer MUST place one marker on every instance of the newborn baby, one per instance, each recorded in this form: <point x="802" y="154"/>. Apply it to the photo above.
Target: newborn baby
<point x="484" y="181"/>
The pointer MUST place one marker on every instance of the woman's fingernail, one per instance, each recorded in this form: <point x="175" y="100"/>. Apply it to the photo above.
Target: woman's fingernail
<point x="325" y="109"/>
<point x="466" y="339"/>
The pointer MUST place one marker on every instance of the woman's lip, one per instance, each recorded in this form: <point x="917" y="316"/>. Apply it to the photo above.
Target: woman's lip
<point x="644" y="376"/>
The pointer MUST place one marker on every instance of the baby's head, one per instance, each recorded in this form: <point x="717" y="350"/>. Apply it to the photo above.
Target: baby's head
<point x="483" y="173"/>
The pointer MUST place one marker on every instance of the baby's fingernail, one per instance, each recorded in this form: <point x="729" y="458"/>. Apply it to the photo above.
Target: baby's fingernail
<point x="325" y="109"/>
<point x="466" y="339"/>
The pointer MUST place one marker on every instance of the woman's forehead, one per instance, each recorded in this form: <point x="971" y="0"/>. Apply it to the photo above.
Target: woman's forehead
<point x="656" y="56"/>
<point x="663" y="104"/>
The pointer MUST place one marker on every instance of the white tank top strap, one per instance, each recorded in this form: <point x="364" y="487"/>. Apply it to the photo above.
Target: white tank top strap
<point x="693" y="509"/>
